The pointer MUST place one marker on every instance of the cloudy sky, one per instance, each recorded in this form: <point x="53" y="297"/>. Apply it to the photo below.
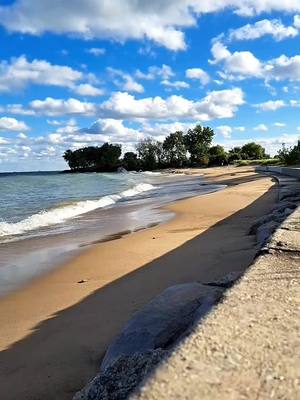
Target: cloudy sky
<point x="82" y="72"/>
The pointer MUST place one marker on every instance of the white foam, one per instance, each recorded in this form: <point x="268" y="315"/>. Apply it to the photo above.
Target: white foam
<point x="151" y="173"/>
<point x="61" y="214"/>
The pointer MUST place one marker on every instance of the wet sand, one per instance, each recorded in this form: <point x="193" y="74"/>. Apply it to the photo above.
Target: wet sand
<point x="55" y="330"/>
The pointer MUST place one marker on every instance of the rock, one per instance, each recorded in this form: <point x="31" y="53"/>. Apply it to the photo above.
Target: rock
<point x="82" y="281"/>
<point x="259" y="222"/>
<point x="122" y="170"/>
<point x="288" y="194"/>
<point x="121" y="377"/>
<point x="265" y="231"/>
<point x="280" y="207"/>
<point x="227" y="281"/>
<point x="160" y="322"/>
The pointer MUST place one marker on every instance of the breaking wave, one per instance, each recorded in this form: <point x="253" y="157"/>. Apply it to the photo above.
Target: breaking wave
<point x="60" y="214"/>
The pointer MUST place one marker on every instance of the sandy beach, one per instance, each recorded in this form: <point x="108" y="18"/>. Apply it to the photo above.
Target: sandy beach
<point x="55" y="330"/>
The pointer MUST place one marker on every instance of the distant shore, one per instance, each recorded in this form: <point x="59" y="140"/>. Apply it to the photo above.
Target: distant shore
<point x="55" y="330"/>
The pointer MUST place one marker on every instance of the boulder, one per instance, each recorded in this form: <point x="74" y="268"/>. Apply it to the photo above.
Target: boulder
<point x="265" y="231"/>
<point x="280" y="207"/>
<point x="226" y="281"/>
<point x="146" y="338"/>
<point x="121" y="377"/>
<point x="160" y="322"/>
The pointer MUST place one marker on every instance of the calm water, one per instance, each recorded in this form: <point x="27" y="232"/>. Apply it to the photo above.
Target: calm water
<point x="47" y="217"/>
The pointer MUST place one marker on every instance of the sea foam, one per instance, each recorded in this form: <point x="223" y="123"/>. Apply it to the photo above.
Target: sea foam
<point x="62" y="213"/>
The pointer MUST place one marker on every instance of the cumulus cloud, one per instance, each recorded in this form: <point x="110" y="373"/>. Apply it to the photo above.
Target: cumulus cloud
<point x="224" y="130"/>
<point x="86" y="89"/>
<point x="243" y="64"/>
<point x="12" y="124"/>
<point x="154" y="72"/>
<point x="175" y="84"/>
<point x="199" y="74"/>
<point x="240" y="64"/>
<point x="161" y="22"/>
<point x="279" y="124"/>
<point x="271" y="105"/>
<point x="96" y="51"/>
<point x="239" y="128"/>
<point x="261" y="127"/>
<point x="19" y="73"/>
<point x="274" y="28"/>
<point x="216" y="104"/>
<point x="59" y="107"/>
<point x="126" y="81"/>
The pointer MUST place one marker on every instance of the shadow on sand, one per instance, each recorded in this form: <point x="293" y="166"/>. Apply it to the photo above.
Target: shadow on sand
<point x="62" y="353"/>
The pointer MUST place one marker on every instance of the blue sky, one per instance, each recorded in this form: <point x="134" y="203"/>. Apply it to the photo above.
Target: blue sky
<point x="81" y="73"/>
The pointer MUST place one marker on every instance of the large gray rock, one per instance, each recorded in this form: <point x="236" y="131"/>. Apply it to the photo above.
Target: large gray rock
<point x="265" y="231"/>
<point x="146" y="338"/>
<point x="121" y="377"/>
<point x="160" y="322"/>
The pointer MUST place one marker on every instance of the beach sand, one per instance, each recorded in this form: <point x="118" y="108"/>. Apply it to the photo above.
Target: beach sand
<point x="55" y="330"/>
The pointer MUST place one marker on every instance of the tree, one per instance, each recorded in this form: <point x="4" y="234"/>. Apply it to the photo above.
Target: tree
<point x="131" y="161"/>
<point x="217" y="155"/>
<point x="101" y="159"/>
<point x="290" y="156"/>
<point x="253" y="151"/>
<point x="175" y="150"/>
<point x="150" y="153"/>
<point x="197" y="142"/>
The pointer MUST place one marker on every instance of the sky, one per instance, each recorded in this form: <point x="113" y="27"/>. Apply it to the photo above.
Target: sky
<point x="83" y="72"/>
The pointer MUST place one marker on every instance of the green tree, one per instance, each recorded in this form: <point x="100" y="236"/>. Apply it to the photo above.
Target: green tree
<point x="150" y="153"/>
<point x="197" y="142"/>
<point x="131" y="161"/>
<point x="290" y="156"/>
<point x="102" y="159"/>
<point x="217" y="155"/>
<point x="253" y="151"/>
<point x="175" y="150"/>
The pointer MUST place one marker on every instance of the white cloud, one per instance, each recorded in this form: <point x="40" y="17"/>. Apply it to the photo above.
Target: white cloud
<point x="295" y="103"/>
<point x="56" y="107"/>
<point x="283" y="68"/>
<point x="163" y="72"/>
<point x="243" y="64"/>
<point x="279" y="124"/>
<point x="85" y="89"/>
<point x="12" y="124"/>
<point x="271" y="105"/>
<point x="18" y="109"/>
<point x="175" y="84"/>
<point x="274" y="28"/>
<point x="239" y="128"/>
<point x="261" y="127"/>
<point x="3" y="141"/>
<point x="297" y="21"/>
<point x="127" y="82"/>
<point x="96" y="51"/>
<point x="159" y="21"/>
<point x="198" y="73"/>
<point x="240" y="64"/>
<point x="19" y="73"/>
<point x="217" y="104"/>
<point x="224" y="130"/>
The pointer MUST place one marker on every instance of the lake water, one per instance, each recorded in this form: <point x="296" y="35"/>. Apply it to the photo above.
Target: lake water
<point x="46" y="217"/>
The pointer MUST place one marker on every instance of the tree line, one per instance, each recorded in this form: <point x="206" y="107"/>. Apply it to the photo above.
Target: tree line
<point x="179" y="149"/>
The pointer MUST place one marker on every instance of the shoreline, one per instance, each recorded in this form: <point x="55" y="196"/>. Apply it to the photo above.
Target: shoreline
<point x="118" y="277"/>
